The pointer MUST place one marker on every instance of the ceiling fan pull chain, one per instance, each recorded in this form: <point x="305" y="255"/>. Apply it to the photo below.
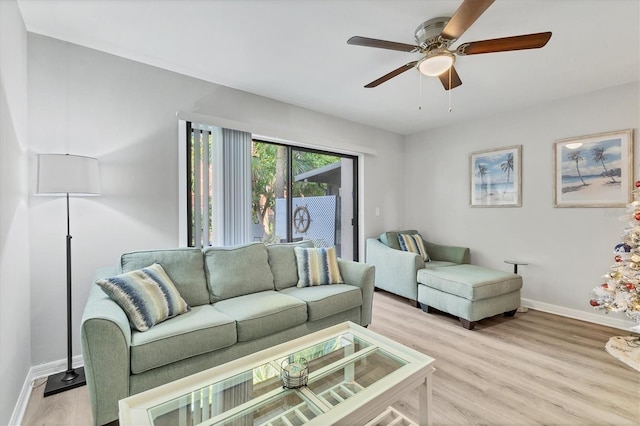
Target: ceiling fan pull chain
<point x="450" y="89"/>
<point x="420" y="93"/>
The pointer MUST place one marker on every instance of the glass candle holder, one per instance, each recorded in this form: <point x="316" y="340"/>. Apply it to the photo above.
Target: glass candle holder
<point x="294" y="373"/>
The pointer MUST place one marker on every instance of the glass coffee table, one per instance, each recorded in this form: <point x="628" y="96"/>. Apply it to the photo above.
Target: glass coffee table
<point x="354" y="375"/>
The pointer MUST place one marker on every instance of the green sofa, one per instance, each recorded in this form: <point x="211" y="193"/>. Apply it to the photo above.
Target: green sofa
<point x="243" y="299"/>
<point x="446" y="283"/>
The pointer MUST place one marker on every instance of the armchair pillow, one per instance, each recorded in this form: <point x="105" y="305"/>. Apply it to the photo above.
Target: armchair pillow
<point x="147" y="295"/>
<point x="317" y="266"/>
<point x="413" y="243"/>
<point x="390" y="238"/>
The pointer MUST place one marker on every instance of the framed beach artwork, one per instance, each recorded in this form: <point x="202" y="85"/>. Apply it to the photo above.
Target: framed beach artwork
<point x="594" y="171"/>
<point x="496" y="177"/>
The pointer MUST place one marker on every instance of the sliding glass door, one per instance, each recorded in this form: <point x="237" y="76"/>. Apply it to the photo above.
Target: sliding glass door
<point x="304" y="194"/>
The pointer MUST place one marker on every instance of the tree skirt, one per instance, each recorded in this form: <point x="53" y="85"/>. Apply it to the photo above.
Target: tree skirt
<point x="626" y="349"/>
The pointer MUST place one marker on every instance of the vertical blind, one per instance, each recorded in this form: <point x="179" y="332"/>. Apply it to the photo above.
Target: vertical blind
<point x="236" y="152"/>
<point x="219" y="186"/>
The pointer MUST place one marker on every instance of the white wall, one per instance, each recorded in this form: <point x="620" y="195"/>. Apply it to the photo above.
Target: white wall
<point x="569" y="249"/>
<point x="124" y="113"/>
<point x="15" y="317"/>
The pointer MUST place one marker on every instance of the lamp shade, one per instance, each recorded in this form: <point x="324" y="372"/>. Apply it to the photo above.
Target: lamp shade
<point x="61" y="174"/>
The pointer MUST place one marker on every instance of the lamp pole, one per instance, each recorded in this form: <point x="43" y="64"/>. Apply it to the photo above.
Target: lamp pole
<point x="71" y="378"/>
<point x="70" y="374"/>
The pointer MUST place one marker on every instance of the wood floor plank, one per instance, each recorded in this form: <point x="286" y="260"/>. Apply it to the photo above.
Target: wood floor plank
<point x="533" y="369"/>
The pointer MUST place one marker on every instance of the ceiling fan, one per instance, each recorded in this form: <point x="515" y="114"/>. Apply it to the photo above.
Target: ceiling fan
<point x="435" y="36"/>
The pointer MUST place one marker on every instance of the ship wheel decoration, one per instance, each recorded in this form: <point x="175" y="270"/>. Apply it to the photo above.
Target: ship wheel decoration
<point x="301" y="219"/>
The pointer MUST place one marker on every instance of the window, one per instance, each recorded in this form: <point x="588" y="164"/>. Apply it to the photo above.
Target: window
<point x="200" y="182"/>
<point x="235" y="190"/>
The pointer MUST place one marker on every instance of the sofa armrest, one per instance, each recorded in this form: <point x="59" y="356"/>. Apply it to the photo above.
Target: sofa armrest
<point x="106" y="339"/>
<point x="360" y="275"/>
<point x="448" y="253"/>
<point x="396" y="270"/>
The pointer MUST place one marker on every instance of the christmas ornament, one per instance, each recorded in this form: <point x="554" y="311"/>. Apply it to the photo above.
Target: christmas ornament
<point x="594" y="303"/>
<point x="622" y="248"/>
<point x="638" y="184"/>
<point x="618" y="258"/>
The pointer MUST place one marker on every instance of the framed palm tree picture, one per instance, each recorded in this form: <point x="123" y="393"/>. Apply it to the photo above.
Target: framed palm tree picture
<point x="496" y="177"/>
<point x="594" y="171"/>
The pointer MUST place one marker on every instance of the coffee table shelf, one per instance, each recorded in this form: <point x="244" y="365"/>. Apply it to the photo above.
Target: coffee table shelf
<point x="346" y="363"/>
<point x="391" y="417"/>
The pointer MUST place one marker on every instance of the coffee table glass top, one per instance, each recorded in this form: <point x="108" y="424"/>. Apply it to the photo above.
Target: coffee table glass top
<point x="251" y="393"/>
<point x="339" y="368"/>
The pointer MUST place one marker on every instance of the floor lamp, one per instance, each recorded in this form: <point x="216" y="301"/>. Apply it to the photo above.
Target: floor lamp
<point x="65" y="175"/>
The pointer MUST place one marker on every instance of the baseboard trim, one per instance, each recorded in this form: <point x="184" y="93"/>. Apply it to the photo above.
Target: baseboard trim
<point x="35" y="373"/>
<point x="21" y="404"/>
<point x="593" y="317"/>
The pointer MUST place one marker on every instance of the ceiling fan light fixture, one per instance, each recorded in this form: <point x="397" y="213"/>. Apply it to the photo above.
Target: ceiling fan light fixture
<point x="436" y="62"/>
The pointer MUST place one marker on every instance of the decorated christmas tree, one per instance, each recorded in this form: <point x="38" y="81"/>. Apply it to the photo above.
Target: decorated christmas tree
<point x="621" y="290"/>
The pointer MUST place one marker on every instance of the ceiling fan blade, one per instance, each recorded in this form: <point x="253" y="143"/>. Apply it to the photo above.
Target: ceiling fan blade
<point x="382" y="44"/>
<point x="505" y="44"/>
<point x="455" y="79"/>
<point x="465" y="16"/>
<point x="392" y="74"/>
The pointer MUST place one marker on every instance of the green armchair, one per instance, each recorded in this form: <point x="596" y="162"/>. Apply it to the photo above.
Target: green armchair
<point x="396" y="270"/>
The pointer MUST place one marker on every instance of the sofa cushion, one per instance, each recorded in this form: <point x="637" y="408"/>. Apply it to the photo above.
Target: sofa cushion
<point x="282" y="260"/>
<point x="390" y="238"/>
<point x="184" y="266"/>
<point x="413" y="243"/>
<point x="470" y="281"/>
<point x="326" y="300"/>
<point x="237" y="271"/>
<point x="317" y="266"/>
<point x="261" y="314"/>
<point x="203" y="329"/>
<point x="146" y="295"/>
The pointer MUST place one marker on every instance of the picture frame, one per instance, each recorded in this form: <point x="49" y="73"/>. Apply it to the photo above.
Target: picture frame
<point x="495" y="177"/>
<point x="594" y="170"/>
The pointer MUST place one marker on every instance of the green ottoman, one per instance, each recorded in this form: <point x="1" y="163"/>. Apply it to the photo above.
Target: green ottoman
<point x="469" y="292"/>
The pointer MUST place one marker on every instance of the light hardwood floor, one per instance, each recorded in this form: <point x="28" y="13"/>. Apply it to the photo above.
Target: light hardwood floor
<point x="535" y="368"/>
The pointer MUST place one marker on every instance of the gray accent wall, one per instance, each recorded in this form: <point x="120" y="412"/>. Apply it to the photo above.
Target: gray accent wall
<point x="568" y="249"/>
<point x="15" y="291"/>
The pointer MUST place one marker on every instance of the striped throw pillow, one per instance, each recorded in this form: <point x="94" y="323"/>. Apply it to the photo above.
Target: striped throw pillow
<point x="413" y="243"/>
<point x="317" y="266"/>
<point x="147" y="295"/>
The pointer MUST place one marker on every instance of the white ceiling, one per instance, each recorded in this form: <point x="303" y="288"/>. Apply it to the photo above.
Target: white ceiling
<point x="296" y="51"/>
